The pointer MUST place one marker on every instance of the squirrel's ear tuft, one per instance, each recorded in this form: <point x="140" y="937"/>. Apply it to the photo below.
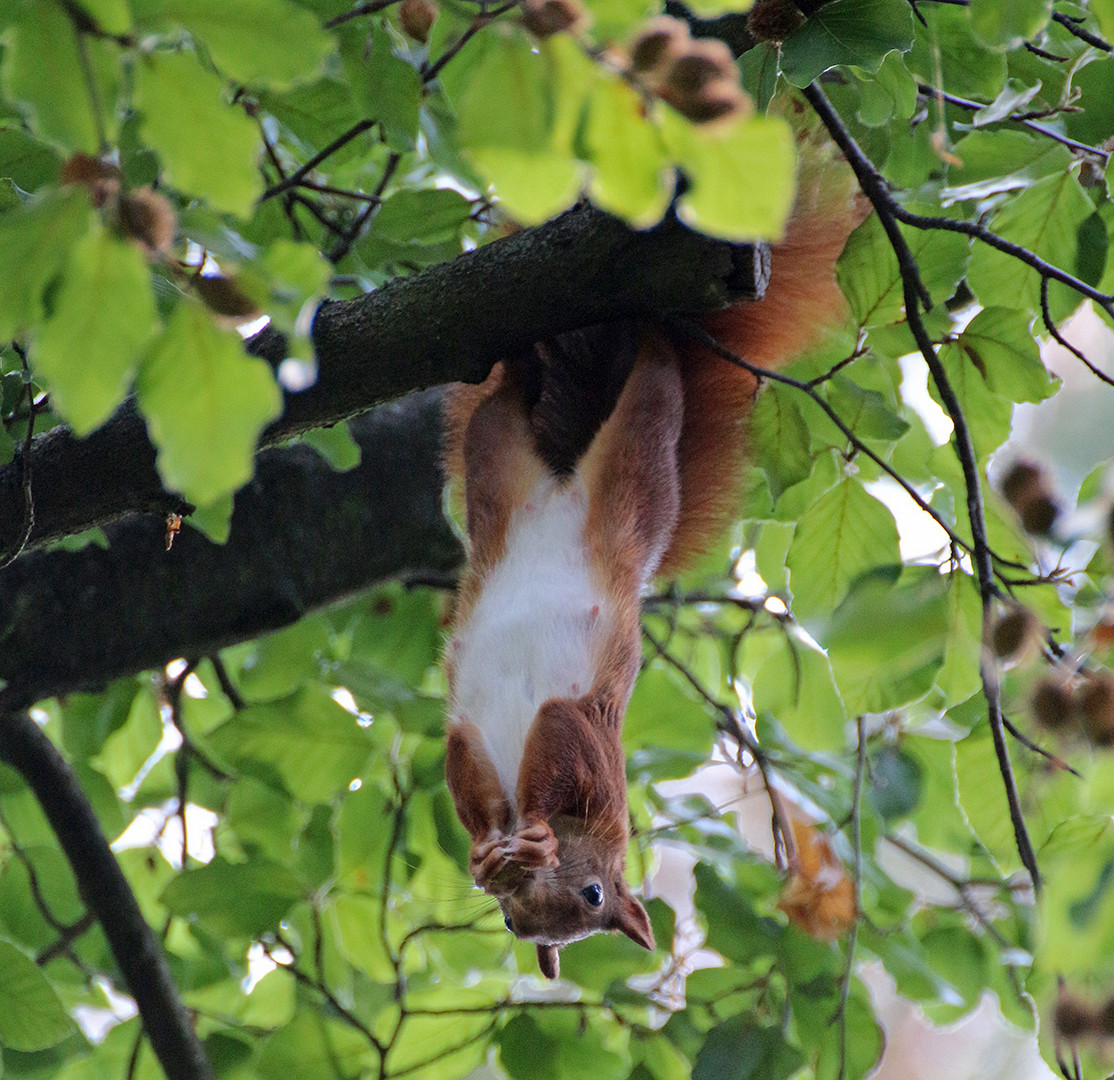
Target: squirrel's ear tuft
<point x="549" y="960"/>
<point x="633" y="921"/>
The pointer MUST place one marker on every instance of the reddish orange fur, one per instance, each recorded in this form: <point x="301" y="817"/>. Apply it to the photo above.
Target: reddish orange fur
<point x="662" y="477"/>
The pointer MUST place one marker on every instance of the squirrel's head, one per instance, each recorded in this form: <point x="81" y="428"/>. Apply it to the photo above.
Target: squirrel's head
<point x="585" y="894"/>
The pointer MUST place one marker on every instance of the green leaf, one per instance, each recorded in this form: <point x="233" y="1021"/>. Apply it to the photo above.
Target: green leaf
<point x="387" y="87"/>
<point x="998" y="342"/>
<point x="780" y="437"/>
<point x="959" y="677"/>
<point x="663" y="716"/>
<point x="740" y="1049"/>
<point x="791" y="678"/>
<point x="1006" y="24"/>
<point x="336" y="445"/>
<point x="845" y="533"/>
<point x="505" y="99"/>
<point x="982" y="797"/>
<point x="891" y="93"/>
<point x="206" y="402"/>
<point x="741" y="178"/>
<point x="1044" y="219"/>
<point x="558" y="1045"/>
<point x="947" y="54"/>
<point x="36" y="240"/>
<point x="25" y="161"/>
<point x="869" y="276"/>
<point x="111" y="16"/>
<point x="356" y="921"/>
<point x="630" y="173"/>
<point x="235" y="899"/>
<point x="428" y="214"/>
<point x="312" y="1047"/>
<point x="128" y="749"/>
<point x="103" y="315"/>
<point x="207" y="147"/>
<point x="854" y="32"/>
<point x="31" y="1015"/>
<point x="874" y="671"/>
<point x="866" y="412"/>
<point x="269" y="42"/>
<point x="44" y="39"/>
<point x="308" y="741"/>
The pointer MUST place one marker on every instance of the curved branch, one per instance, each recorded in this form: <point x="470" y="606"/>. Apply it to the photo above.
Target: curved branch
<point x="889" y="213"/>
<point x="439" y="326"/>
<point x="166" y="1021"/>
<point x="302" y="536"/>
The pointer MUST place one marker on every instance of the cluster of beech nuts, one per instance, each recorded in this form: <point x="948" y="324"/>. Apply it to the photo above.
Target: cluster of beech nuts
<point x="1027" y="489"/>
<point x="141" y="214"/>
<point x="697" y="76"/>
<point x="1058" y="703"/>
<point x="1075" y="1019"/>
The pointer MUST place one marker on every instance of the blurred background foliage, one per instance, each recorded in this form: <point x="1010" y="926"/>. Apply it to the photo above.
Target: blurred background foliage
<point x="172" y="170"/>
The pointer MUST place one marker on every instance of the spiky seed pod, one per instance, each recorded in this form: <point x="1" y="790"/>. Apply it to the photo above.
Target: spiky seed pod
<point x="101" y="177"/>
<point x="543" y="18"/>
<point x="416" y="18"/>
<point x="1016" y="635"/>
<point x="718" y="100"/>
<point x="1073" y="1017"/>
<point x="147" y="216"/>
<point x="1104" y="1018"/>
<point x="1038" y="516"/>
<point x="224" y="296"/>
<point x="1095" y="702"/>
<point x="658" y="44"/>
<point x="1022" y="480"/>
<point x="1051" y="703"/>
<point x="774" y="20"/>
<point x="1025" y="487"/>
<point x="703" y="61"/>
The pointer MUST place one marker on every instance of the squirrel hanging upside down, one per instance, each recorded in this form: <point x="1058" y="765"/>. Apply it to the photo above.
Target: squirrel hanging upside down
<point x="594" y="463"/>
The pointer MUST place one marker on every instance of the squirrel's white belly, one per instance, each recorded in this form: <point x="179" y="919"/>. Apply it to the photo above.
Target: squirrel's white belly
<point x="534" y="632"/>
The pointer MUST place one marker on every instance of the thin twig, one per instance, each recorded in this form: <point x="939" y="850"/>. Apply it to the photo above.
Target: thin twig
<point x="857" y="853"/>
<point x="369" y="212"/>
<point x="24" y="467"/>
<point x="1024" y="121"/>
<point x="369" y="8"/>
<point x="1050" y="326"/>
<point x="698" y="333"/>
<point x="1072" y="26"/>
<point x="888" y="211"/>
<point x="299" y="174"/>
<point x="785" y="847"/>
<point x="1028" y="743"/>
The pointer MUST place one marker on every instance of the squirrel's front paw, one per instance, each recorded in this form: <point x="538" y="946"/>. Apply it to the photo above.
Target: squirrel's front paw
<point x="534" y="846"/>
<point x="488" y="857"/>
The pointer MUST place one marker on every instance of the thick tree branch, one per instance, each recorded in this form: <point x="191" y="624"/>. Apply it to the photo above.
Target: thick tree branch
<point x="166" y="1021"/>
<point x="450" y="322"/>
<point x="302" y="536"/>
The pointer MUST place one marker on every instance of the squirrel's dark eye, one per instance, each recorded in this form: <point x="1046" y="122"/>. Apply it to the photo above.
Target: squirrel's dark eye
<point x="507" y="923"/>
<point x="593" y="894"/>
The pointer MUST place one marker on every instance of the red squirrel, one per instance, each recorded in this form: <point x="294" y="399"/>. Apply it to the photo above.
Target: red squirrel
<point x="600" y="460"/>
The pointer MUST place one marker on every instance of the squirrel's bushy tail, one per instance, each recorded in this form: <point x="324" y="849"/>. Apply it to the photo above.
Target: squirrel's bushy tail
<point x="802" y="300"/>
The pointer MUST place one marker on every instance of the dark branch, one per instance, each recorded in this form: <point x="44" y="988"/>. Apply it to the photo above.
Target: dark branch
<point x="302" y="536"/>
<point x="441" y="325"/>
<point x="889" y="213"/>
<point x="166" y="1020"/>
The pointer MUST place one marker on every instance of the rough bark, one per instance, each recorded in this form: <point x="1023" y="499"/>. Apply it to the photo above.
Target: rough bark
<point x="448" y="323"/>
<point x="303" y="535"/>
